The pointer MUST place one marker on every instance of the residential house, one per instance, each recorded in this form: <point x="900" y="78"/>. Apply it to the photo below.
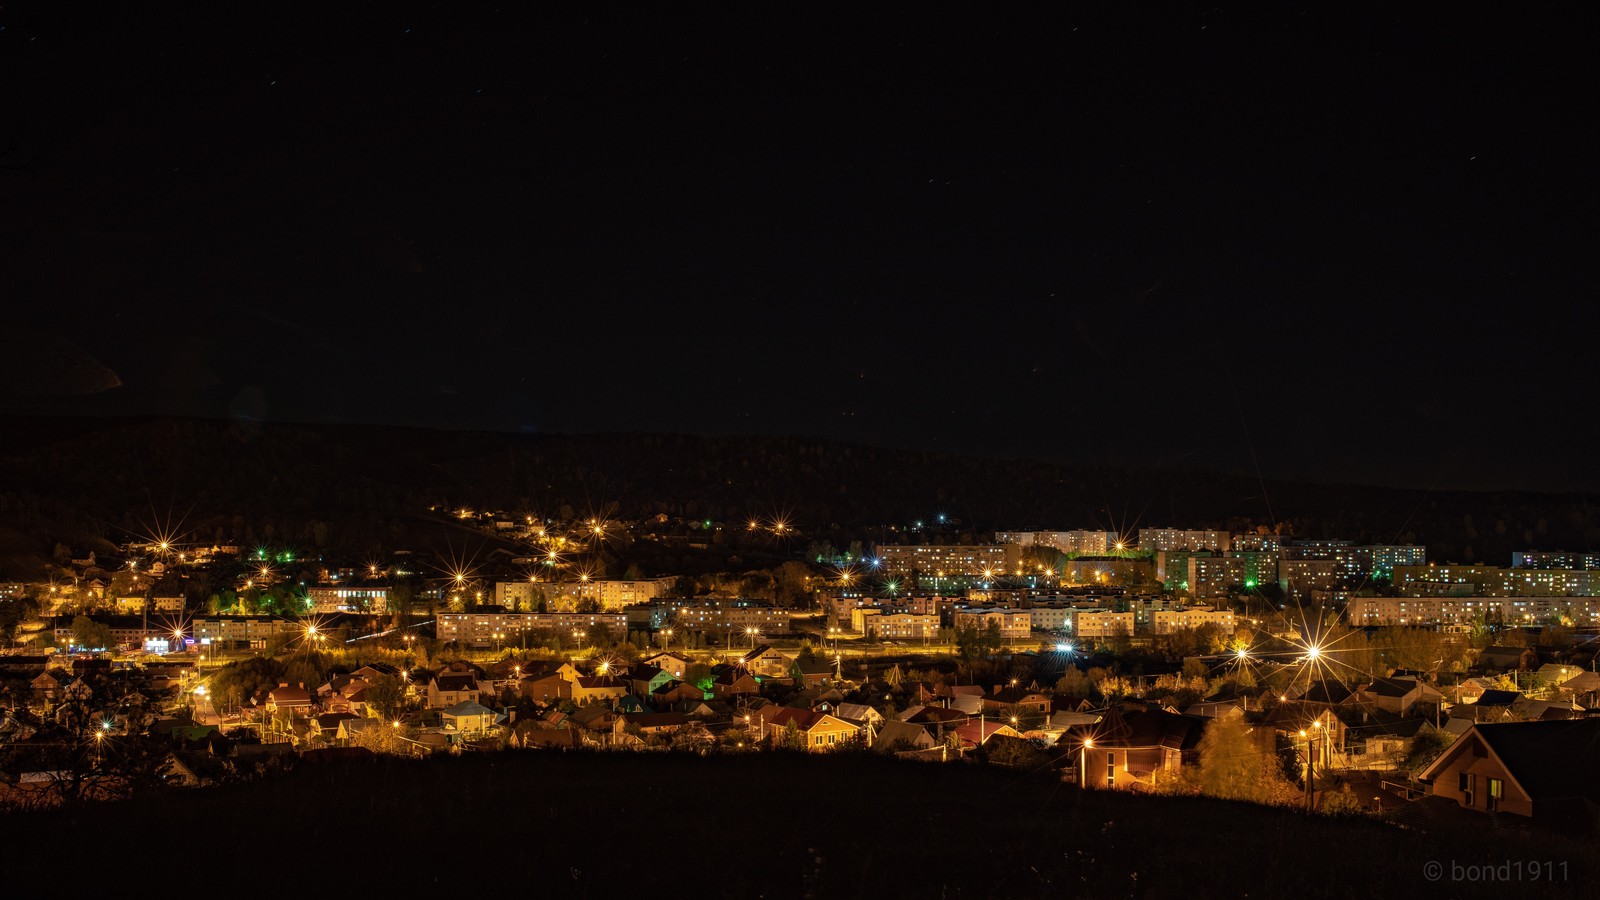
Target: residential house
<point x="645" y="679"/>
<point x="976" y="734"/>
<point x="287" y="698"/>
<point x="767" y="662"/>
<point x="807" y="672"/>
<point x="50" y="685"/>
<point x="1582" y="688"/>
<point x="1400" y="696"/>
<point x="1550" y="675"/>
<point x="818" y="731"/>
<point x="1545" y="771"/>
<point x="1469" y="690"/>
<point x="1134" y="749"/>
<point x="587" y="689"/>
<point x="1493" y="705"/>
<point x="731" y="681"/>
<point x="450" y="688"/>
<point x="548" y="687"/>
<point x="1505" y="659"/>
<point x="528" y="735"/>
<point x="470" y="717"/>
<point x="325" y="727"/>
<point x="1015" y="700"/>
<point x="351" y="727"/>
<point x="936" y="719"/>
<point x="894" y="736"/>
<point x="1312" y="727"/>
<point x="674" y="693"/>
<point x="860" y="712"/>
<point x="659" y="725"/>
<point x="674" y="663"/>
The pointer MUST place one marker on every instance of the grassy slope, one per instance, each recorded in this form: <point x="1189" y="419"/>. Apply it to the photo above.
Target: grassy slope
<point x="769" y="825"/>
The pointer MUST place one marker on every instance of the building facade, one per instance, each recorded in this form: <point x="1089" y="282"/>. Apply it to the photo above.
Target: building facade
<point x="953" y="561"/>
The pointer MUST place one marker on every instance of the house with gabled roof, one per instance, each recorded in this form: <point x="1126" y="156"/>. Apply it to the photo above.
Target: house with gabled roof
<point x="894" y="736"/>
<point x="530" y="736"/>
<point x="861" y="712"/>
<point x="674" y="663"/>
<point x="1133" y="749"/>
<point x="545" y="687"/>
<point x="450" y="688"/>
<point x="288" y="698"/>
<point x="1395" y="695"/>
<point x="50" y="685"/>
<point x="976" y="733"/>
<point x="645" y="678"/>
<point x="675" y="693"/>
<point x="588" y="689"/>
<point x="1583" y="688"/>
<point x="937" y="719"/>
<point x="1503" y="659"/>
<point x="807" y="672"/>
<point x="470" y="717"/>
<point x="1546" y="771"/>
<point x="767" y="662"/>
<point x="731" y="681"/>
<point x="819" y="731"/>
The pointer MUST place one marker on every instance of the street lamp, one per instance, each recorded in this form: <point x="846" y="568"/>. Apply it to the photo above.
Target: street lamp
<point x="1083" y="763"/>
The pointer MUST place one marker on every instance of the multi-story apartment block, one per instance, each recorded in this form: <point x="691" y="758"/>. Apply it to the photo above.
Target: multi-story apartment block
<point x="1554" y="559"/>
<point x="1079" y="543"/>
<point x="1158" y="539"/>
<point x="324" y="599"/>
<point x="890" y="625"/>
<point x="1299" y="577"/>
<point x="1097" y="570"/>
<point x="249" y="631"/>
<point x="1013" y="623"/>
<point x="1495" y="581"/>
<point x="497" y="627"/>
<point x="1168" y="621"/>
<point x="1469" y="610"/>
<point x="952" y="561"/>
<point x="735" y="617"/>
<point x="1090" y="624"/>
<point x="1211" y="576"/>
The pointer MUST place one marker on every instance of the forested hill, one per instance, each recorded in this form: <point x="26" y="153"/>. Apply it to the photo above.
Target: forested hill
<point x="59" y="476"/>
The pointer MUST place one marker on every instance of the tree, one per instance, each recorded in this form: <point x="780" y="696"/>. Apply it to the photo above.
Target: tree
<point x="977" y="643"/>
<point x="387" y="696"/>
<point x="1237" y="763"/>
<point x="86" y="632"/>
<point x="1074" y="683"/>
<point x="790" y="738"/>
<point x="1425" y="748"/>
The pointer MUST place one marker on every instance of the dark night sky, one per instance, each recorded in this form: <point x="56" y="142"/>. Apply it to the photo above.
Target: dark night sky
<point x="1353" y="244"/>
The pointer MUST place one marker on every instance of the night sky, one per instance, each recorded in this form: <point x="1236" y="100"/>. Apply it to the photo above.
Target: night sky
<point x="1358" y="248"/>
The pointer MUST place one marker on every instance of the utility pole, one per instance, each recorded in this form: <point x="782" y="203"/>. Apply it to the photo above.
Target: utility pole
<point x="1310" y="806"/>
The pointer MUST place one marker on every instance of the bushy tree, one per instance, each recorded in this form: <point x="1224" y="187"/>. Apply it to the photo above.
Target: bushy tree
<point x="1238" y="763"/>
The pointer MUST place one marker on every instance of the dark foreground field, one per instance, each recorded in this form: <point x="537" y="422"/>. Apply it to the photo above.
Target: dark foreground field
<point x="773" y="825"/>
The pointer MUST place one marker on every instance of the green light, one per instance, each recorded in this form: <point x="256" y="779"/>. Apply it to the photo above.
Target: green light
<point x="1249" y="582"/>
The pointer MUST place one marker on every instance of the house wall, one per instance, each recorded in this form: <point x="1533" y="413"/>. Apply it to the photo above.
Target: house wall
<point x="1476" y="761"/>
<point x="827" y="736"/>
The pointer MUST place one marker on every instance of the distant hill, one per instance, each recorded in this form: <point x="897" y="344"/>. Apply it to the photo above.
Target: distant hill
<point x="72" y="479"/>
